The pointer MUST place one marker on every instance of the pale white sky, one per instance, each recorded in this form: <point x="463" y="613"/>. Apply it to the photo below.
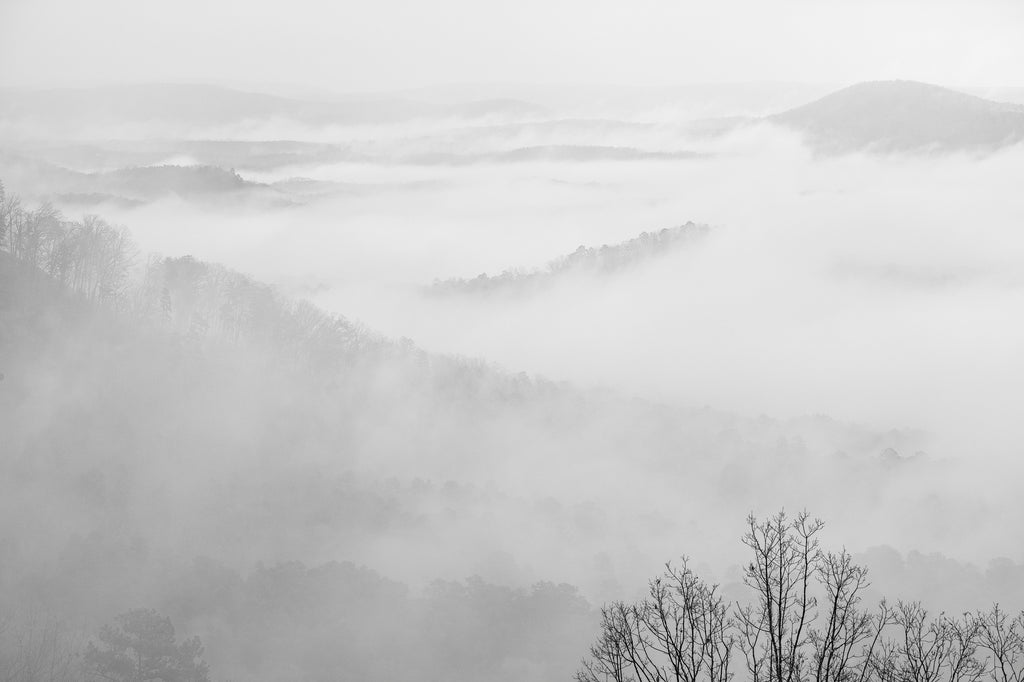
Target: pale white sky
<point x="392" y="44"/>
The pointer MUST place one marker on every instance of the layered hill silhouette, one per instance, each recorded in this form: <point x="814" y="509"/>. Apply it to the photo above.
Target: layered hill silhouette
<point x="904" y="116"/>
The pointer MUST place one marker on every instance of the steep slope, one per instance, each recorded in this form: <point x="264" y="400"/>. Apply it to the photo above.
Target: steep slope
<point x="904" y="116"/>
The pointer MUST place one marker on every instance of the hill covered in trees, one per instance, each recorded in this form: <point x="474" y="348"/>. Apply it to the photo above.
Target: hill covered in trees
<point x="284" y="483"/>
<point x="905" y="116"/>
<point x="599" y="261"/>
<point x="135" y="185"/>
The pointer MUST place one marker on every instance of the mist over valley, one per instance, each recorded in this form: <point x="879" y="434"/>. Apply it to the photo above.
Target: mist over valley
<point x="429" y="380"/>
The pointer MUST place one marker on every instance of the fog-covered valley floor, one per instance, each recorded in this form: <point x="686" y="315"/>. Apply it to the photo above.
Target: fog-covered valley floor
<point x="870" y="287"/>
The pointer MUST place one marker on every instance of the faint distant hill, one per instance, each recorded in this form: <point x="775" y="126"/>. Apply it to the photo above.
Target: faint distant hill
<point x="904" y="116"/>
<point x="104" y="155"/>
<point x="500" y="106"/>
<point x="147" y="182"/>
<point x="603" y="260"/>
<point x="136" y="184"/>
<point x="193" y="105"/>
<point x="185" y="107"/>
<point x="579" y="153"/>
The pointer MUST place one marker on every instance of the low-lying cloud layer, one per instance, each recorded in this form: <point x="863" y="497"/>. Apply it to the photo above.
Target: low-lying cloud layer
<point x="872" y="288"/>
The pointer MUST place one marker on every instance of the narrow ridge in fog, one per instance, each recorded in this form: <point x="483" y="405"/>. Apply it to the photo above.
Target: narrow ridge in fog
<point x="603" y="260"/>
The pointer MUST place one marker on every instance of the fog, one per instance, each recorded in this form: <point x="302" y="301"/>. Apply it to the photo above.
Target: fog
<point x="870" y="288"/>
<point x="317" y="46"/>
<point x="323" y="362"/>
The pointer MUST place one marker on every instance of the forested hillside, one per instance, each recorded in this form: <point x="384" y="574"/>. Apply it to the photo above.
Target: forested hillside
<point x="277" y="480"/>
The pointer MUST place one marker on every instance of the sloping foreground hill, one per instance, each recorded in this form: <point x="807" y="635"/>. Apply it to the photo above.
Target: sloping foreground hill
<point x="186" y="466"/>
<point x="905" y="116"/>
<point x="189" y="439"/>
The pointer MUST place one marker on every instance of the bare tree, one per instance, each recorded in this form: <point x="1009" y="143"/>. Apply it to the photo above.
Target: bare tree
<point x="934" y="650"/>
<point x="843" y="647"/>
<point x="1002" y="638"/>
<point x="613" y="656"/>
<point x="774" y="631"/>
<point x="806" y="625"/>
<point x="8" y="206"/>
<point x="102" y="256"/>
<point x="679" y="633"/>
<point x="39" y="646"/>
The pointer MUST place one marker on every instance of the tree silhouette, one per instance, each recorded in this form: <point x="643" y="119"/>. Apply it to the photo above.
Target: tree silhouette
<point x="805" y="624"/>
<point x="141" y="647"/>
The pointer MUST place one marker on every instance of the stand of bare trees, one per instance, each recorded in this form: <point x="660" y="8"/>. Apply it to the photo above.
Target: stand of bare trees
<point x="679" y="632"/>
<point x="97" y="261"/>
<point x="90" y="256"/>
<point x="37" y="645"/>
<point x="201" y="302"/>
<point x="806" y="623"/>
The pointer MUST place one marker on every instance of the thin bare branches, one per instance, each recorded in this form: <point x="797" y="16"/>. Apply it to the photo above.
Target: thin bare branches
<point x="806" y="623"/>
<point x="679" y="633"/>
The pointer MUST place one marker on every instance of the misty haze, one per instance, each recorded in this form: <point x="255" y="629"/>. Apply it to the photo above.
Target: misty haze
<point x="468" y="341"/>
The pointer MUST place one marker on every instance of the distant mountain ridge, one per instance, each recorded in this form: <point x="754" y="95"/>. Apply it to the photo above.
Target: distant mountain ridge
<point x="199" y="105"/>
<point x="553" y="153"/>
<point x="904" y="116"/>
